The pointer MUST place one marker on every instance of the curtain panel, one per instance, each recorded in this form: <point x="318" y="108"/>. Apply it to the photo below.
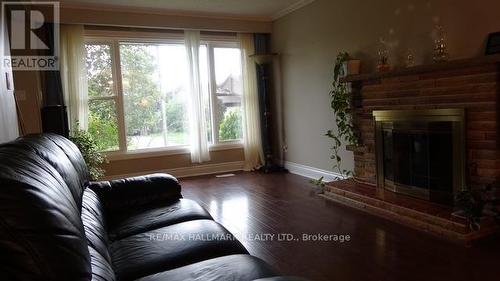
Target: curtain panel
<point x="254" y="155"/>
<point x="197" y="100"/>
<point x="74" y="75"/>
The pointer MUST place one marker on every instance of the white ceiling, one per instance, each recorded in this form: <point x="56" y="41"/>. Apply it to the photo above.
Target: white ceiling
<point x="256" y="9"/>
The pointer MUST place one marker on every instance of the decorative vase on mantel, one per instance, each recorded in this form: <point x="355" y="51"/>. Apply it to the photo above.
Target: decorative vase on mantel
<point x="410" y="58"/>
<point x="440" y="52"/>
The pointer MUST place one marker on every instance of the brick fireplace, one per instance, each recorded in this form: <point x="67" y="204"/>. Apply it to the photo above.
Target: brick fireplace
<point x="470" y="85"/>
<point x="468" y="89"/>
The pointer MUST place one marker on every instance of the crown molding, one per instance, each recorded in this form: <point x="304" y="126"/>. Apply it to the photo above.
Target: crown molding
<point x="165" y="12"/>
<point x="294" y="7"/>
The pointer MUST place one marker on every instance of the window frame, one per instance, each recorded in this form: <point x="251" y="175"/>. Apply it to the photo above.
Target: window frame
<point x="113" y="39"/>
<point x="211" y="45"/>
<point x="116" y="97"/>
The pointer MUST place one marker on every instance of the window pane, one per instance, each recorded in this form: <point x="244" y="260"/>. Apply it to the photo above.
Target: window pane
<point x="155" y="88"/>
<point x="103" y="124"/>
<point x="99" y="71"/>
<point x="228" y="77"/>
<point x="228" y="71"/>
<point x="230" y="127"/>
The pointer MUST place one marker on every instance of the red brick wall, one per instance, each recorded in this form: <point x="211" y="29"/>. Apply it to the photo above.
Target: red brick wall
<point x="474" y="88"/>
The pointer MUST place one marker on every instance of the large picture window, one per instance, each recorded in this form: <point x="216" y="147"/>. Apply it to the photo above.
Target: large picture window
<point x="139" y="99"/>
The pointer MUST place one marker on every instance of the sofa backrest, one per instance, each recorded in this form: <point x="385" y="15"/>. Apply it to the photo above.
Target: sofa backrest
<point x="42" y="237"/>
<point x="64" y="156"/>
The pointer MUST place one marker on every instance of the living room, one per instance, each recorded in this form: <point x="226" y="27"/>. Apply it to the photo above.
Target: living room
<point x="250" y="140"/>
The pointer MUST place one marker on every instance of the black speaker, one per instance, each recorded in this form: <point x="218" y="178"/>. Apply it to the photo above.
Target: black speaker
<point x="55" y="120"/>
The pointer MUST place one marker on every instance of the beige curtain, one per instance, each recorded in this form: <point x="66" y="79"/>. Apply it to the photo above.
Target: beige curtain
<point x="197" y="100"/>
<point x="74" y="75"/>
<point x="254" y="154"/>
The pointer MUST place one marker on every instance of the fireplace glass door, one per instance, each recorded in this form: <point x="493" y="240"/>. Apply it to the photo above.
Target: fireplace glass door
<point x="420" y="153"/>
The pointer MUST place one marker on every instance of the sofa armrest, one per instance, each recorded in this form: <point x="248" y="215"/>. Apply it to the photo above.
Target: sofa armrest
<point x="135" y="192"/>
<point x="281" y="278"/>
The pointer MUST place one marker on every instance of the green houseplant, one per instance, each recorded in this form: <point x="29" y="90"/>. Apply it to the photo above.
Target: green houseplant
<point x="90" y="151"/>
<point x="476" y="205"/>
<point x="319" y="184"/>
<point x="340" y="103"/>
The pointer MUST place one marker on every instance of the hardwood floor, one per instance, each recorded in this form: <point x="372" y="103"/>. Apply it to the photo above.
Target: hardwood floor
<point x="255" y="203"/>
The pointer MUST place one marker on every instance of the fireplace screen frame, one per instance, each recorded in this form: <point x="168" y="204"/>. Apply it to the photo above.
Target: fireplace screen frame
<point x="456" y="116"/>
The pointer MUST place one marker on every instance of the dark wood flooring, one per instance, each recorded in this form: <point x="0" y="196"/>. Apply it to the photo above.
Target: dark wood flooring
<point x="255" y="203"/>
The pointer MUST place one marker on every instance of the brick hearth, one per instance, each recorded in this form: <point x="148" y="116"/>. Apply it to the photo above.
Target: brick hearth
<point x="415" y="213"/>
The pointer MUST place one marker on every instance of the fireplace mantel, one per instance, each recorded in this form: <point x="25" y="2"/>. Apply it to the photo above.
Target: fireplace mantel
<point x="427" y="68"/>
<point x="472" y="85"/>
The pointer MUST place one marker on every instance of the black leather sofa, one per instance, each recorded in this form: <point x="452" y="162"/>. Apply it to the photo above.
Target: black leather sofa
<point x="56" y="225"/>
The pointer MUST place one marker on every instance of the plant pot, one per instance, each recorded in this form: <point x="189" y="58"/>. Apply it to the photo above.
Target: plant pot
<point x="352" y="67"/>
<point x="483" y="221"/>
<point x="383" y="67"/>
<point x="461" y="214"/>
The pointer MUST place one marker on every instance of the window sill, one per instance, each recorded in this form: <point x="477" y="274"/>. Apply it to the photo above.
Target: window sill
<point x="146" y="153"/>
<point x="159" y="152"/>
<point x="226" y="146"/>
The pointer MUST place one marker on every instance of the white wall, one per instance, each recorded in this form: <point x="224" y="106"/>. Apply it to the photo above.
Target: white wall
<point x="309" y="39"/>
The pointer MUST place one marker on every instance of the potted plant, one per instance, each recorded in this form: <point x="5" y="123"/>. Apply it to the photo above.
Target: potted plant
<point x="477" y="206"/>
<point x="341" y="105"/>
<point x="90" y="152"/>
<point x="319" y="185"/>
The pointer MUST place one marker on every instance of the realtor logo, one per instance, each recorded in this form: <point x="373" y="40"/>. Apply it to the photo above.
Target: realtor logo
<point x="33" y="31"/>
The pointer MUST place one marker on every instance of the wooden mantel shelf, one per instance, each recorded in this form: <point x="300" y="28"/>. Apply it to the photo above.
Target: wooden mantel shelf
<point x="419" y="69"/>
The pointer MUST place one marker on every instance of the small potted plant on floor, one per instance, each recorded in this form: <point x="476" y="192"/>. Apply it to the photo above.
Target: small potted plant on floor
<point x="478" y="206"/>
<point x="319" y="185"/>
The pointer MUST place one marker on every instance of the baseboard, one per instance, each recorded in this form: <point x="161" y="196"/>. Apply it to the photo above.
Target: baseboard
<point x="311" y="172"/>
<point x="183" y="172"/>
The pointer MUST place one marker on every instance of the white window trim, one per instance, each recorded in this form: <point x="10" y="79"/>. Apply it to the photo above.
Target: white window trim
<point x="211" y="44"/>
<point x="113" y="39"/>
<point x="116" y="97"/>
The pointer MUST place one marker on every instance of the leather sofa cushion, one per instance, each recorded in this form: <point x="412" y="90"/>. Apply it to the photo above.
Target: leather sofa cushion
<point x="154" y="217"/>
<point x="281" y="278"/>
<point x="102" y="270"/>
<point x="170" y="247"/>
<point x="94" y="223"/>
<point x="227" y="268"/>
